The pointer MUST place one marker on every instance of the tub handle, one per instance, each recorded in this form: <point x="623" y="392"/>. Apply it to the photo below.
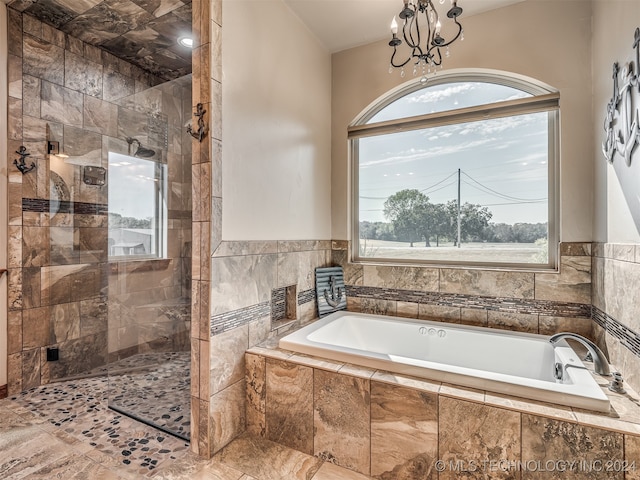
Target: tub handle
<point x="558" y="371"/>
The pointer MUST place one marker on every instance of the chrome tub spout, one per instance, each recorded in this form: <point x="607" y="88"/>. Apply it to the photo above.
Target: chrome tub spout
<point x="600" y="361"/>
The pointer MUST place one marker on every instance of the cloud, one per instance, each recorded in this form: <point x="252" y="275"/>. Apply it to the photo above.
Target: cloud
<point x="438" y="95"/>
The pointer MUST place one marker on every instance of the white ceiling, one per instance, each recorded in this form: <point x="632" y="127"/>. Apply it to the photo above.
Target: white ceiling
<point x="342" y="24"/>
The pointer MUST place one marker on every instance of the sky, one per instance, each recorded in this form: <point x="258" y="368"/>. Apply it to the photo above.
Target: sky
<point x="504" y="161"/>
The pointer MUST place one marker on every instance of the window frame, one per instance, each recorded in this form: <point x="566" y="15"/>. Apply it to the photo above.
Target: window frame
<point x="544" y="99"/>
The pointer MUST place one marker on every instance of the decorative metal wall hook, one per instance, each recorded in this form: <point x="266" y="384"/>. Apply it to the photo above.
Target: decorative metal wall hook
<point x="335" y="294"/>
<point x="20" y="163"/>
<point x="622" y="122"/>
<point x="203" y="129"/>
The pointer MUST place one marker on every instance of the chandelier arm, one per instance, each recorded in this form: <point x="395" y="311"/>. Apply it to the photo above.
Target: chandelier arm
<point x="446" y="44"/>
<point x="408" y="25"/>
<point x="400" y="65"/>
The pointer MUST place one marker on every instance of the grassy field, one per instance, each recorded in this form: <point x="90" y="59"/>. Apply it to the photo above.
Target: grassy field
<point x="468" y="252"/>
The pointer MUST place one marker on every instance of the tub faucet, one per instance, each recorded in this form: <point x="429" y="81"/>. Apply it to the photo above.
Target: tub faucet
<point x="600" y="361"/>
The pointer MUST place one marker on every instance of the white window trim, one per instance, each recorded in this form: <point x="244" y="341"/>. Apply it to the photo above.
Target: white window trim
<point x="545" y="98"/>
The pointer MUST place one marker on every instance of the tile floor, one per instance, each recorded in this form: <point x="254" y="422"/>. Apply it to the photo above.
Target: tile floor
<point x="65" y="431"/>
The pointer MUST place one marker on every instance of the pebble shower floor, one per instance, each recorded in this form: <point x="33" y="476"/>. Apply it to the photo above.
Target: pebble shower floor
<point x="80" y="408"/>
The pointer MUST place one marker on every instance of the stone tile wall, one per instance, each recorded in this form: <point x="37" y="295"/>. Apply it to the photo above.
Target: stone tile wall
<point x="535" y="302"/>
<point x="392" y="427"/>
<point x="244" y="277"/>
<point x="60" y="281"/>
<point x="616" y="306"/>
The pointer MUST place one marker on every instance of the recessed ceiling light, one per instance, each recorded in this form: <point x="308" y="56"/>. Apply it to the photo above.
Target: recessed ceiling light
<point x="186" y="42"/>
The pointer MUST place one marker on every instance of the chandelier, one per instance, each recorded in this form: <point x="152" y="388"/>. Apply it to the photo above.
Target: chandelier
<point x="421" y="32"/>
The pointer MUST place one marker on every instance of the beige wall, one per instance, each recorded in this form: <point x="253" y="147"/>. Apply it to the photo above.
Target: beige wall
<point x="277" y="113"/>
<point x="545" y="40"/>
<point x="3" y="196"/>
<point x="614" y="23"/>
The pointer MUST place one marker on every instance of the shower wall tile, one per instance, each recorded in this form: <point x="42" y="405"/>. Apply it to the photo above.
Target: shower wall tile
<point x="341" y="423"/>
<point x="60" y="104"/>
<point x="14" y="373"/>
<point x="31" y="95"/>
<point x="30" y="368"/>
<point x="404" y="432"/>
<point x="36" y="328"/>
<point x="42" y="59"/>
<point x="31" y="287"/>
<point x="14" y="76"/>
<point x="14" y="288"/>
<point x="14" y="247"/>
<point x="14" y="31"/>
<point x="479" y="433"/>
<point x="94" y="315"/>
<point x="35" y="246"/>
<point x="570" y="441"/>
<point x="14" y="331"/>
<point x="83" y="75"/>
<point x="289" y="407"/>
<point x="100" y="116"/>
<point x="14" y="127"/>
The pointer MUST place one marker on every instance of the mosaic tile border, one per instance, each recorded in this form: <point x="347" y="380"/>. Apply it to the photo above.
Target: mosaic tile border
<point x="41" y="205"/>
<point x="278" y="304"/>
<point x="306" y="296"/>
<point x="236" y="318"/>
<point x="511" y="305"/>
<point x="276" y="308"/>
<point x="627" y="337"/>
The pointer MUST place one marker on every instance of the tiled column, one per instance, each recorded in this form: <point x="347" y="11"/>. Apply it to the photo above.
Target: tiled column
<point x="14" y="261"/>
<point x="207" y="19"/>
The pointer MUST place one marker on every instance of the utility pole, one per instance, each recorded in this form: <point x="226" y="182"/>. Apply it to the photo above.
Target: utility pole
<point x="459" y="210"/>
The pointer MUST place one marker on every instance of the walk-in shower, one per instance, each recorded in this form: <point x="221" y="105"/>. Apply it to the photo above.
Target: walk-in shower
<point x="104" y="250"/>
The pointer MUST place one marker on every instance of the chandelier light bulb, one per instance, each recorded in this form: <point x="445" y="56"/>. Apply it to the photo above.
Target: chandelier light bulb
<point x="394" y="26"/>
<point x="438" y="27"/>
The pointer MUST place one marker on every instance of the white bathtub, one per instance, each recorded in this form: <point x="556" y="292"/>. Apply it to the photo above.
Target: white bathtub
<point x="511" y="363"/>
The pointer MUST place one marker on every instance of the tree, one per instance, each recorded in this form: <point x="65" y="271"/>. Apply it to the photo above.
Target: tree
<point x="474" y="220"/>
<point x="408" y="211"/>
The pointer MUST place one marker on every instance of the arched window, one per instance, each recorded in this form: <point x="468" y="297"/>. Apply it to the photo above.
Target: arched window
<point x="459" y="171"/>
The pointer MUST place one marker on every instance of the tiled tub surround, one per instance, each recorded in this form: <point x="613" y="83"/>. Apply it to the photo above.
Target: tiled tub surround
<point x="533" y="302"/>
<point x="616" y="306"/>
<point x="244" y="277"/>
<point x="395" y="427"/>
<point x="60" y="283"/>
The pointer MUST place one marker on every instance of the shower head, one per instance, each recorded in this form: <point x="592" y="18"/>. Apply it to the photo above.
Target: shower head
<point x="141" y="151"/>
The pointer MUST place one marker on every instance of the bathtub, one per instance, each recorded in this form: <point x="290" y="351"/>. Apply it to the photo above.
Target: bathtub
<point x="511" y="363"/>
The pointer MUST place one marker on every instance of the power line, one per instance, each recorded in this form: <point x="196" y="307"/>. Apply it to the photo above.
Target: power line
<point x="503" y="195"/>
